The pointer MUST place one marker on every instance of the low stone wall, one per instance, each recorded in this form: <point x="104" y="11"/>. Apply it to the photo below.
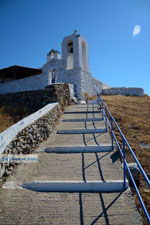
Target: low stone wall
<point x="24" y="136"/>
<point x="124" y="91"/>
<point x="63" y="93"/>
<point x="29" y="102"/>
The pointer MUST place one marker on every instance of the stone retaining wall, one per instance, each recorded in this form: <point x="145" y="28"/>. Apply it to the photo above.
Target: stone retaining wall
<point x="29" y="102"/>
<point x="24" y="136"/>
<point x="124" y="91"/>
<point x="28" y="138"/>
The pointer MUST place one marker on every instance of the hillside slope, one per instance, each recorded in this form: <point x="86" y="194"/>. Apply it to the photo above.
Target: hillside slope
<point x="133" y="116"/>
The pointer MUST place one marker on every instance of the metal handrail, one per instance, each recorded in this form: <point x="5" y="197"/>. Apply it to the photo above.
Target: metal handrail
<point x="111" y="122"/>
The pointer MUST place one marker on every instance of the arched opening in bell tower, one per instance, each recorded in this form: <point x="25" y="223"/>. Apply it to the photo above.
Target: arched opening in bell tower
<point x="84" y="61"/>
<point x="70" y="55"/>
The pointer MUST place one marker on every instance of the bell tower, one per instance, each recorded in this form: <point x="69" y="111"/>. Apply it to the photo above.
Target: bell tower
<point x="75" y="52"/>
<point x="72" y="67"/>
<point x="75" y="63"/>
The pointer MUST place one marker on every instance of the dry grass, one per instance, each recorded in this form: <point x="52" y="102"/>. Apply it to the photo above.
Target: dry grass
<point x="89" y="97"/>
<point x="10" y="115"/>
<point x="133" y="116"/>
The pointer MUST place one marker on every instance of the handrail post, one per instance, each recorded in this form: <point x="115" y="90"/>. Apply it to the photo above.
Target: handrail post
<point x="124" y="164"/>
<point x="112" y="137"/>
<point x="106" y="120"/>
<point x="102" y="108"/>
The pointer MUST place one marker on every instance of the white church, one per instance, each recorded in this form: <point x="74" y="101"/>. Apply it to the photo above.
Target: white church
<point x="69" y="67"/>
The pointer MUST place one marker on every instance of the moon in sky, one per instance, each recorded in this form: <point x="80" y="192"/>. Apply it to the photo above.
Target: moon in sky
<point x="136" y="30"/>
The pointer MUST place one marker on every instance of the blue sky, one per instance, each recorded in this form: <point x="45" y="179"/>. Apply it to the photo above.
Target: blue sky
<point x="30" y="28"/>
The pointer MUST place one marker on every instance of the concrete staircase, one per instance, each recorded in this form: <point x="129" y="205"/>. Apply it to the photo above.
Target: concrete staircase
<point x="77" y="180"/>
<point x="78" y="186"/>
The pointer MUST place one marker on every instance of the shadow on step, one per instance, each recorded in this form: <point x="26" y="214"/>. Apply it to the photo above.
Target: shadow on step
<point x="103" y="206"/>
<point x="81" y="112"/>
<point x="102" y="203"/>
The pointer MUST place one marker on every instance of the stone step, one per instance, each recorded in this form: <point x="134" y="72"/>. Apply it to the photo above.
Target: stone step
<point x="82" y="131"/>
<point x="79" y="149"/>
<point x="82" y="112"/>
<point x="79" y="186"/>
<point x="83" y="120"/>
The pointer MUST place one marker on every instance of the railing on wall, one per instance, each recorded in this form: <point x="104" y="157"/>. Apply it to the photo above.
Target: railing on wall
<point x="123" y="145"/>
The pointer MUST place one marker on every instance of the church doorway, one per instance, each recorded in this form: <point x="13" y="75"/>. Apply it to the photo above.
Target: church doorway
<point x="54" y="76"/>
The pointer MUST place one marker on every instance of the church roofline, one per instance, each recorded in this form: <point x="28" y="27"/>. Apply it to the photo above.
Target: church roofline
<point x="18" y="72"/>
<point x="74" y="35"/>
<point x="53" y="51"/>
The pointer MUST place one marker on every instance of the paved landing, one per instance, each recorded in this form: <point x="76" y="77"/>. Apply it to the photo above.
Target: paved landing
<point x="26" y="207"/>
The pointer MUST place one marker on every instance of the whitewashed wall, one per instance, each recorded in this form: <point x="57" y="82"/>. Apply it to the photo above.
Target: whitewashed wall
<point x="35" y="82"/>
